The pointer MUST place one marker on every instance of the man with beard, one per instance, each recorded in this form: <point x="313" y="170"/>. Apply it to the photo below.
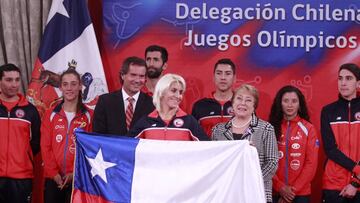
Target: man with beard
<point x="216" y="108"/>
<point x="116" y="112"/>
<point x="156" y="58"/>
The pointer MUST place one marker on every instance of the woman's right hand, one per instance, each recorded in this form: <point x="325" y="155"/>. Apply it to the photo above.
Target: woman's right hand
<point x="287" y="193"/>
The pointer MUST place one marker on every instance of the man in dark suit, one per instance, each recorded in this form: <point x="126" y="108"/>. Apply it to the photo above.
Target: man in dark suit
<point x="115" y="113"/>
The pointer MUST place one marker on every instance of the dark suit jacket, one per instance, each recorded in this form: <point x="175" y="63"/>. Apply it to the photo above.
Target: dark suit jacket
<point x="109" y="114"/>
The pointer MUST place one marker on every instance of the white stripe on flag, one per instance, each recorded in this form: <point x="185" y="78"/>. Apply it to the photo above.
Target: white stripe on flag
<point x="176" y="171"/>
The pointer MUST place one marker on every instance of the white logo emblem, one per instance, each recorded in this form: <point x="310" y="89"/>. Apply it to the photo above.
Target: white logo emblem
<point x="357" y="116"/>
<point x="178" y="122"/>
<point x="212" y="113"/>
<point x="59" y="127"/>
<point x="295" y="164"/>
<point x="230" y="111"/>
<point x="153" y="125"/>
<point x="295" y="154"/>
<point x="297" y="137"/>
<point x="281" y="154"/>
<point x="338" y="118"/>
<point x="295" y="146"/>
<point x="58" y="138"/>
<point x="20" y="113"/>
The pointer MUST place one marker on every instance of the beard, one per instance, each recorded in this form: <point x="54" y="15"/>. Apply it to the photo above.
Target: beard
<point x="153" y="73"/>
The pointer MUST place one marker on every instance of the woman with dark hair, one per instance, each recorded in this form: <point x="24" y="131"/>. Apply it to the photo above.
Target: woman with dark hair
<point x="57" y="138"/>
<point x="298" y="146"/>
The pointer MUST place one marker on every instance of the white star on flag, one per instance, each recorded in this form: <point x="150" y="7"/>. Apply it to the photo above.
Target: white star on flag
<point x="58" y="7"/>
<point x="98" y="165"/>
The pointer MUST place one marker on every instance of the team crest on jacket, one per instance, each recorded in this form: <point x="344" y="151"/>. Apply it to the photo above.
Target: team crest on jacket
<point x="178" y="122"/>
<point x="357" y="116"/>
<point x="230" y="111"/>
<point x="58" y="138"/>
<point x="295" y="164"/>
<point x="20" y="113"/>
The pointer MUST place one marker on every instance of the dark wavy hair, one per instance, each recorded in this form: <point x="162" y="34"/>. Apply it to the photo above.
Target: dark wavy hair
<point x="276" y="115"/>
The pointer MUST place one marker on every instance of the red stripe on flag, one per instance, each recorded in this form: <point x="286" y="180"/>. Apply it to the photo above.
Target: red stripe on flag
<point x="80" y="197"/>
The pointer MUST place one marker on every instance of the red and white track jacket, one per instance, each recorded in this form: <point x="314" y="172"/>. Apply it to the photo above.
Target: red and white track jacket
<point x="298" y="156"/>
<point x="58" y="141"/>
<point x="19" y="139"/>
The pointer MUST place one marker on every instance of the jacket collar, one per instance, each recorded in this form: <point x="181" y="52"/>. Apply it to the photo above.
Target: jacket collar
<point x="22" y="100"/>
<point x="58" y="108"/>
<point x="179" y="113"/>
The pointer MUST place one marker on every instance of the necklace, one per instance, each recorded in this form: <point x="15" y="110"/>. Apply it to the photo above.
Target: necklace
<point x="240" y="126"/>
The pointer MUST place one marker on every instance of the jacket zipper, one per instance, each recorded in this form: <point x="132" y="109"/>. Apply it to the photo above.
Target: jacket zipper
<point x="67" y="141"/>
<point x="287" y="153"/>
<point x="7" y="151"/>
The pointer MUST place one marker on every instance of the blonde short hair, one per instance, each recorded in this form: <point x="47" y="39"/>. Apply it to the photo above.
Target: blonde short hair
<point x="249" y="88"/>
<point x="164" y="84"/>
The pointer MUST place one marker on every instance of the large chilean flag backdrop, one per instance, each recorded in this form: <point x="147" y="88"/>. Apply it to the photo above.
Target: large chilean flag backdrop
<point x="68" y="41"/>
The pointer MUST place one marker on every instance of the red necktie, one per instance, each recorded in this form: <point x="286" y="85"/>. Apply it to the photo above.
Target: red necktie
<point x="129" y="111"/>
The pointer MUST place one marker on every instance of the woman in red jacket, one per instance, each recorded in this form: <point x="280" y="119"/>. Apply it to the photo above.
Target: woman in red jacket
<point x="57" y="138"/>
<point x="298" y="146"/>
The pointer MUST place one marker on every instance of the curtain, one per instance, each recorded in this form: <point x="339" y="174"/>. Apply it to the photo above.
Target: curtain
<point x="21" y="26"/>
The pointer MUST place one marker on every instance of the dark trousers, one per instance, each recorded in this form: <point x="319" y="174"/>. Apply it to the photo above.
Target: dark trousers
<point x="15" y="190"/>
<point x="53" y="194"/>
<point x="297" y="199"/>
<point x="332" y="196"/>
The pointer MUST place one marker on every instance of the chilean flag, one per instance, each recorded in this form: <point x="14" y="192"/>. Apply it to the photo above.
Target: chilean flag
<point x="68" y="41"/>
<point x="122" y="169"/>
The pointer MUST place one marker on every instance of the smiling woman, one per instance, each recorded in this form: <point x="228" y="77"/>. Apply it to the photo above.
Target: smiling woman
<point x="57" y="137"/>
<point x="168" y="121"/>
<point x="245" y="125"/>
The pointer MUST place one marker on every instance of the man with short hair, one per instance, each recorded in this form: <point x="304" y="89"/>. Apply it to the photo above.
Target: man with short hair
<point x="19" y="138"/>
<point x="217" y="107"/>
<point x="340" y="131"/>
<point x="156" y="58"/>
<point x="115" y="113"/>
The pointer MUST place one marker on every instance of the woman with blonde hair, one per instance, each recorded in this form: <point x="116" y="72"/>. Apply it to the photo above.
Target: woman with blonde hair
<point x="168" y="121"/>
<point x="245" y="125"/>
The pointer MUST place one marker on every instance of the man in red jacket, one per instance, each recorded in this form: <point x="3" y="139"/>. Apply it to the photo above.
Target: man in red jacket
<point x="19" y="138"/>
<point x="340" y="131"/>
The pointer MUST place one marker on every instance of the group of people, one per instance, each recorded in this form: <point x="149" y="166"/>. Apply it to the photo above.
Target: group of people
<point x="148" y="106"/>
